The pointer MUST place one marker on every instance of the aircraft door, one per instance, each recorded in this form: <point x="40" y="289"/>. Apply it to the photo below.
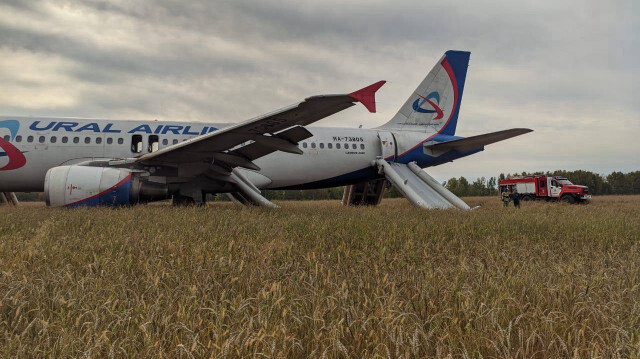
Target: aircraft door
<point x="388" y="145"/>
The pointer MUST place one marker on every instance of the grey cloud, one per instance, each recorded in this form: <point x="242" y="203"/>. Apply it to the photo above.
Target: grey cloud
<point x="556" y="67"/>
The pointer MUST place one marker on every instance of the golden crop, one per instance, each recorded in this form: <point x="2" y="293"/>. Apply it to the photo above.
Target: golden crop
<point x="314" y="279"/>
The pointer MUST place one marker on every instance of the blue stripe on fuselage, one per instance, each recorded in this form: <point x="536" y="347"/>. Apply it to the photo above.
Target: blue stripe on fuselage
<point x="370" y="173"/>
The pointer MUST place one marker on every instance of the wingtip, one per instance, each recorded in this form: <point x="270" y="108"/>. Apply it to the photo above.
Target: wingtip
<point x="367" y="95"/>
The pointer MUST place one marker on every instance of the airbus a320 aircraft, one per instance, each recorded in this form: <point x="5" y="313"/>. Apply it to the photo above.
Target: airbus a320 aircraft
<point x="104" y="162"/>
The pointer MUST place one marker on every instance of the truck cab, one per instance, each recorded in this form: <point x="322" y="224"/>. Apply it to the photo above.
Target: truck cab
<point x="565" y="191"/>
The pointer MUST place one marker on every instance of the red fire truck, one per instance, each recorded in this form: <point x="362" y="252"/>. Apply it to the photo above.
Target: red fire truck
<point x="545" y="188"/>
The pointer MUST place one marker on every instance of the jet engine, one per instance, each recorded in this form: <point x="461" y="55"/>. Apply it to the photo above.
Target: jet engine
<point x="72" y="186"/>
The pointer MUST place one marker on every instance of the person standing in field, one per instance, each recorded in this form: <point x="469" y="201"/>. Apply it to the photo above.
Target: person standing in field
<point x="515" y="196"/>
<point x="505" y="199"/>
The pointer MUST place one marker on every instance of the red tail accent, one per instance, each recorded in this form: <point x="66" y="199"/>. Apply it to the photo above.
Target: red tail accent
<point x="367" y="95"/>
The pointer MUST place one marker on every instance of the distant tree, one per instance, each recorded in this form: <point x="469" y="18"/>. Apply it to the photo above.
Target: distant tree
<point x="491" y="186"/>
<point x="634" y="181"/>
<point x="452" y="185"/>
<point x="30" y="196"/>
<point x="478" y="187"/>
<point x="619" y="183"/>
<point x="463" y="186"/>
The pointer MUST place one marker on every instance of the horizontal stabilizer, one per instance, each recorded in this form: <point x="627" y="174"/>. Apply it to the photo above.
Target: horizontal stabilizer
<point x="467" y="144"/>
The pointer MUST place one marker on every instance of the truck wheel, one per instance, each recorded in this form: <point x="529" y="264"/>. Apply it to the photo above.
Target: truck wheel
<point x="527" y="198"/>
<point x="568" y="199"/>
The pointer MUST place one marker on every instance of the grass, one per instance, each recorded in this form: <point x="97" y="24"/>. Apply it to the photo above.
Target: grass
<point x="314" y="279"/>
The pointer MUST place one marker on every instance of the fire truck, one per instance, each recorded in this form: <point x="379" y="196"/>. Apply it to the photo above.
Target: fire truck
<point x="539" y="187"/>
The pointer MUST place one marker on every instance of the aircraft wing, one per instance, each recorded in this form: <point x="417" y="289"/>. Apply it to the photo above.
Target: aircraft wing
<point x="473" y="142"/>
<point x="281" y="130"/>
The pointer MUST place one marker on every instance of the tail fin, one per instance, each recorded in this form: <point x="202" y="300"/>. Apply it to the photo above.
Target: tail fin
<point x="435" y="104"/>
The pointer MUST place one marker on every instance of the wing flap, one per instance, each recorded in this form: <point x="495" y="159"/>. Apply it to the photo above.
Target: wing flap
<point x="259" y="149"/>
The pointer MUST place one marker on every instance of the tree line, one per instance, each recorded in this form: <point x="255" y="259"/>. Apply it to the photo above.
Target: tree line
<point x="613" y="183"/>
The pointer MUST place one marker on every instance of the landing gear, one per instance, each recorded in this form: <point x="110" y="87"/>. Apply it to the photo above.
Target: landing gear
<point x="367" y="193"/>
<point x="183" y="201"/>
<point x="180" y="200"/>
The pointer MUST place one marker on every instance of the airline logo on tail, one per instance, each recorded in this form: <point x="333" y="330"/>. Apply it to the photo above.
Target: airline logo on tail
<point x="417" y="104"/>
<point x="16" y="158"/>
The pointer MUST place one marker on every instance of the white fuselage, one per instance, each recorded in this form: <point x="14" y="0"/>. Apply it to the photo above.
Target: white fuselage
<point x="332" y="157"/>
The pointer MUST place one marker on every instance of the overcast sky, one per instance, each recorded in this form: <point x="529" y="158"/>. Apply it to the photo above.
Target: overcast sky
<point x="567" y="69"/>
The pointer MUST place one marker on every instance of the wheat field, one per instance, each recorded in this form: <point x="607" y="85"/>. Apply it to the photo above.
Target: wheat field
<point x="315" y="279"/>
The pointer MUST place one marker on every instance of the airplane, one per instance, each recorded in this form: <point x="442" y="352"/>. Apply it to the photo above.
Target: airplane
<point x="92" y="162"/>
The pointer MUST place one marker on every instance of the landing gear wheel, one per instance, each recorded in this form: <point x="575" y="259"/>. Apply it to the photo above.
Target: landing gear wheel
<point x="180" y="200"/>
<point x="568" y="199"/>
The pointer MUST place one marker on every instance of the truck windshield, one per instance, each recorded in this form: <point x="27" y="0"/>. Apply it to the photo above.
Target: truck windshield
<point x="564" y="181"/>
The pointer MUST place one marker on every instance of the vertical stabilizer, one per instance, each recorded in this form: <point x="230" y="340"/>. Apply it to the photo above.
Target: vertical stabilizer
<point x="434" y="106"/>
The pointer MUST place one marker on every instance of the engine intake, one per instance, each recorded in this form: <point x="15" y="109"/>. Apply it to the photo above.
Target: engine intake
<point x="99" y="186"/>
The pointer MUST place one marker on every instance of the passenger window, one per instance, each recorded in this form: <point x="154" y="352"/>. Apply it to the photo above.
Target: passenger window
<point x="329" y="145"/>
<point x="65" y="139"/>
<point x="313" y="145"/>
<point x="175" y="141"/>
<point x="30" y="139"/>
<point x="304" y="145"/>
<point x="362" y="146"/>
<point x="87" y="140"/>
<point x="354" y="146"/>
<point x="337" y="145"/>
<point x="120" y="141"/>
<point x="76" y="140"/>
<point x="18" y="138"/>
<point x="136" y="143"/>
<point x="109" y="140"/>
<point x="98" y="140"/>
<point x="41" y="139"/>
<point x="346" y="146"/>
<point x="153" y="143"/>
<point x="321" y="145"/>
<point x="53" y="139"/>
<point x="165" y="142"/>
<point x="7" y="138"/>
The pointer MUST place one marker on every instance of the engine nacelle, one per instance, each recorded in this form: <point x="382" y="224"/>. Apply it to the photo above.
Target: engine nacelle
<point x="99" y="186"/>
